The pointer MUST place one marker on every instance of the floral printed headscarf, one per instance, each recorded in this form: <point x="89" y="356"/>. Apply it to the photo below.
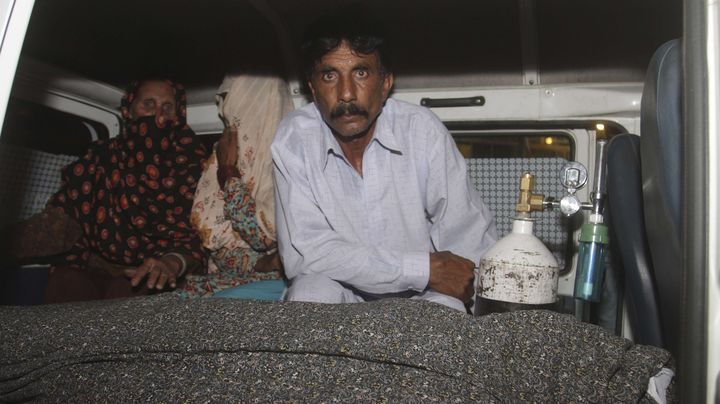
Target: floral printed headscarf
<point x="133" y="194"/>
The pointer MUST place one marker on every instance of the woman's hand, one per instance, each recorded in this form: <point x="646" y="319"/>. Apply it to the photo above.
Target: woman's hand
<point x="159" y="272"/>
<point x="227" y="156"/>
<point x="227" y="147"/>
<point x="269" y="263"/>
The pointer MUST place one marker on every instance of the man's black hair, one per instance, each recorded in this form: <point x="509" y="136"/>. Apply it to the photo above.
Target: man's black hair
<point x="362" y="35"/>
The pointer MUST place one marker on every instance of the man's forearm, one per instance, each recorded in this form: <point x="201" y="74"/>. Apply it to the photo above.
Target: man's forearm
<point x="368" y="268"/>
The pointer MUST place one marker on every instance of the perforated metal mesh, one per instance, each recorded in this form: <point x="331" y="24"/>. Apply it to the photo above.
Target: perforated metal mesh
<point x="29" y="177"/>
<point x="27" y="180"/>
<point x="498" y="181"/>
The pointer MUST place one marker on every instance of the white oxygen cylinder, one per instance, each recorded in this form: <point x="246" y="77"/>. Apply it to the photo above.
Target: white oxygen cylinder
<point x="519" y="269"/>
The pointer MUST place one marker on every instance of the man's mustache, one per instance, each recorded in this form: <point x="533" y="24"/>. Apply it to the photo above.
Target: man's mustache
<point x="347" y="109"/>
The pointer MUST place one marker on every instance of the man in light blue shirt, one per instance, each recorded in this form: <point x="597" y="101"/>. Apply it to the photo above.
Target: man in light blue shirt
<point x="373" y="198"/>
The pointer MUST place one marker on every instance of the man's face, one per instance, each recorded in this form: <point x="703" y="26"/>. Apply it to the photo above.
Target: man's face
<point x="154" y="98"/>
<point x="349" y="90"/>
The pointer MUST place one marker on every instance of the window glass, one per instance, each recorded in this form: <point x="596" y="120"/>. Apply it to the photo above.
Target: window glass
<point x="486" y="145"/>
<point x="38" y="127"/>
<point x="496" y="160"/>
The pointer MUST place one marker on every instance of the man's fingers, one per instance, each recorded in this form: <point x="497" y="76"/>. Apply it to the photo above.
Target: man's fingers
<point x="452" y="275"/>
<point x="463" y="261"/>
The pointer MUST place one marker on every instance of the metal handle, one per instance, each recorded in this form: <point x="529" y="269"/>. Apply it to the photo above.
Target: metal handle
<point x="477" y="101"/>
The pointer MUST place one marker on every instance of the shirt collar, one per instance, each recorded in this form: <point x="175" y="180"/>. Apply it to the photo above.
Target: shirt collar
<point x="384" y="131"/>
<point x="383" y="135"/>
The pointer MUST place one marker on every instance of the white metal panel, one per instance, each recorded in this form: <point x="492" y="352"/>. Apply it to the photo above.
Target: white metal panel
<point x="39" y="76"/>
<point x="15" y="17"/>
<point x="71" y="105"/>
<point x="713" y="284"/>
<point x="538" y="103"/>
<point x="607" y="101"/>
<point x="529" y="43"/>
<point x="500" y="103"/>
<point x="591" y="100"/>
<point x="204" y="119"/>
<point x="5" y="13"/>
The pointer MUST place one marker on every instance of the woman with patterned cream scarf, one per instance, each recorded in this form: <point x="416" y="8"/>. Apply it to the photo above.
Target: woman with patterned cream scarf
<point x="234" y="208"/>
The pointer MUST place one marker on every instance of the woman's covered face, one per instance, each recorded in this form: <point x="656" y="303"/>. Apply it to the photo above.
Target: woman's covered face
<point x="154" y="98"/>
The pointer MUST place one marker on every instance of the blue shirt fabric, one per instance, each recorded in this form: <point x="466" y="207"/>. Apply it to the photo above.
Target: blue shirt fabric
<point x="374" y="232"/>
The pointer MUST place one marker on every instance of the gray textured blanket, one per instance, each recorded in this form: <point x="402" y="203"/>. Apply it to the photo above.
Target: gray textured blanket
<point x="164" y="349"/>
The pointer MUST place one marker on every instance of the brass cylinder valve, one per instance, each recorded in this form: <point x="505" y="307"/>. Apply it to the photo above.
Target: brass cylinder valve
<point x="528" y="201"/>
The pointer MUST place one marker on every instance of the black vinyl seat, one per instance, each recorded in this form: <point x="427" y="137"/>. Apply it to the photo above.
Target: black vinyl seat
<point x="625" y="201"/>
<point x="644" y="196"/>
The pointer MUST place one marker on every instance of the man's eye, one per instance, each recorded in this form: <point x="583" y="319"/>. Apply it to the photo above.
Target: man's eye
<point x="329" y="76"/>
<point x="362" y="73"/>
<point x="168" y="107"/>
<point x="149" y="103"/>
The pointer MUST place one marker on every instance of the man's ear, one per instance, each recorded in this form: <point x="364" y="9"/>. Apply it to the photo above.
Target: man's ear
<point x="312" y="89"/>
<point x="387" y="84"/>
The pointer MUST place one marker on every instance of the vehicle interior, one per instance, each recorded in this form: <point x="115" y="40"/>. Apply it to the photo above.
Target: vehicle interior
<point x="556" y="78"/>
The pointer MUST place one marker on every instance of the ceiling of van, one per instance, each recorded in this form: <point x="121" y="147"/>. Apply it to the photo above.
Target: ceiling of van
<point x="113" y="41"/>
<point x="451" y="43"/>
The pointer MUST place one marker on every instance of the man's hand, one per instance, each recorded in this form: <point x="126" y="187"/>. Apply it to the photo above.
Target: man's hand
<point x="452" y="275"/>
<point x="159" y="272"/>
<point x="227" y="147"/>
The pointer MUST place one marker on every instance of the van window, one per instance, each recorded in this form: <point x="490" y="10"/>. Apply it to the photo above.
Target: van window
<point x="36" y="143"/>
<point x="495" y="161"/>
<point x="544" y="144"/>
<point x="33" y="126"/>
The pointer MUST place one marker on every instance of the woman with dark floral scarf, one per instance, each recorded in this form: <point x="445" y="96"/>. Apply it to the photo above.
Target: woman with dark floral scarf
<point x="129" y="199"/>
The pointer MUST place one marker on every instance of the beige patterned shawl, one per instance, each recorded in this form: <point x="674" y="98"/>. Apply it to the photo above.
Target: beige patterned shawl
<point x="255" y="105"/>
